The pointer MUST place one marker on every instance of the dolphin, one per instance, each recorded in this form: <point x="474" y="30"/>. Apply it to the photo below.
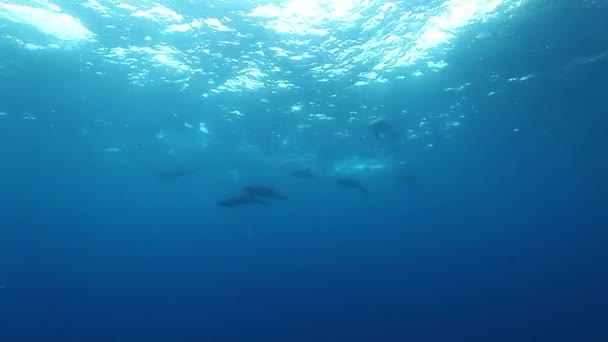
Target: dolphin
<point x="352" y="183"/>
<point x="304" y="173"/>
<point x="383" y="129"/>
<point x="237" y="201"/>
<point x="173" y="174"/>
<point x="262" y="191"/>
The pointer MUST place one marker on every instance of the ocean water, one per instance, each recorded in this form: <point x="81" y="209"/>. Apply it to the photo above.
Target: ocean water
<point x="249" y="170"/>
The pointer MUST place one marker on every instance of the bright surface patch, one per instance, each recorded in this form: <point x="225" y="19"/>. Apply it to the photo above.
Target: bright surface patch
<point x="50" y="21"/>
<point x="303" y="70"/>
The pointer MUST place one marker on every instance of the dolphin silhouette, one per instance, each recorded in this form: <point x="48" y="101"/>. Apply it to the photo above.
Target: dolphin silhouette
<point x="262" y="191"/>
<point x="383" y="129"/>
<point x="173" y="174"/>
<point x="352" y="183"/>
<point x="237" y="201"/>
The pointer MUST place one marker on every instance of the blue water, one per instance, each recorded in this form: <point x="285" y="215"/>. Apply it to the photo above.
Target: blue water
<point x="486" y="218"/>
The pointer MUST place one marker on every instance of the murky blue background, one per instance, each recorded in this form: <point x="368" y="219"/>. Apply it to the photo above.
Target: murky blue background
<point x="487" y="214"/>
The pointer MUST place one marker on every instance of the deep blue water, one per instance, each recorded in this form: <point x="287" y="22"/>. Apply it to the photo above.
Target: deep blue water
<point x="501" y="237"/>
